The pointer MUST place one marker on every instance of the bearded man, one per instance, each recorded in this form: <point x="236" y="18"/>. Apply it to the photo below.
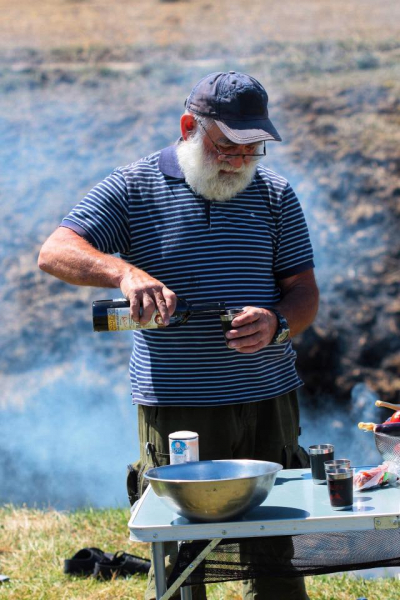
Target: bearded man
<point x="203" y="219"/>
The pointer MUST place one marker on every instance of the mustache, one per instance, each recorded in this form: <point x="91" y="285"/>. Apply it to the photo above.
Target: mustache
<point x="209" y="177"/>
<point x="228" y="167"/>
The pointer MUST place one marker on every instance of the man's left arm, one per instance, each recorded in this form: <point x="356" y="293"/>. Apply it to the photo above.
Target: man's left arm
<point x="299" y="304"/>
<point x="255" y="328"/>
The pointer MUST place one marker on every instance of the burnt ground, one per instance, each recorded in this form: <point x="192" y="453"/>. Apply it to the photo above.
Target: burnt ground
<point x="67" y="123"/>
<point x="349" y="143"/>
<point x="87" y="85"/>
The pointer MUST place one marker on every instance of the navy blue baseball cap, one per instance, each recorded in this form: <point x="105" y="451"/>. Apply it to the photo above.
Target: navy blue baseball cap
<point x="238" y="104"/>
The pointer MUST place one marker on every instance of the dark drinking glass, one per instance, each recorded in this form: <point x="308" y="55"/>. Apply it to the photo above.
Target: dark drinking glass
<point x="340" y="487"/>
<point x="227" y="317"/>
<point x="318" y="455"/>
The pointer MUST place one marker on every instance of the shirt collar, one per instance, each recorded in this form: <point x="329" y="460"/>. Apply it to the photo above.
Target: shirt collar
<point x="168" y="163"/>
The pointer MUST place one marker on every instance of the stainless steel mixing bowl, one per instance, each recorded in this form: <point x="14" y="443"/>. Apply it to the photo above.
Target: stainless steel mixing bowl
<point x="214" y="490"/>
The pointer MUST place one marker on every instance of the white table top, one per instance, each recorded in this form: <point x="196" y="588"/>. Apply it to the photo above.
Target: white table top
<point x="296" y="505"/>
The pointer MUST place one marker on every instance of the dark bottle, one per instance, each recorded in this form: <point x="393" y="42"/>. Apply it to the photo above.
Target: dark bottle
<point x="114" y="315"/>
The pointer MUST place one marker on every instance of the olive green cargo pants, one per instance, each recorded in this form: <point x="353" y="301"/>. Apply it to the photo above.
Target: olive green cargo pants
<point x="266" y="430"/>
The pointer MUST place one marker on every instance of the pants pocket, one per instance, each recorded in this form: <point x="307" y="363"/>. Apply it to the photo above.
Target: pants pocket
<point x="136" y="483"/>
<point x="132" y="482"/>
<point x="295" y="457"/>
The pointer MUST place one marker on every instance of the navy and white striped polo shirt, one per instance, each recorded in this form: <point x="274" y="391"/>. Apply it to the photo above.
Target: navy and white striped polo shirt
<point x="232" y="251"/>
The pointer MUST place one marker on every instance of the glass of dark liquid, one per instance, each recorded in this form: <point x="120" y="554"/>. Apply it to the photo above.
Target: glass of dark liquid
<point x="227" y="317"/>
<point x="337" y="463"/>
<point x="318" y="455"/>
<point x="340" y="487"/>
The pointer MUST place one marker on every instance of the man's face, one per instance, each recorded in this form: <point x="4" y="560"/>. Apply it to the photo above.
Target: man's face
<point x="210" y="175"/>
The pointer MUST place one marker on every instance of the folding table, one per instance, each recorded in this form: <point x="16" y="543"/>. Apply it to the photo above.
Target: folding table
<point x="295" y="506"/>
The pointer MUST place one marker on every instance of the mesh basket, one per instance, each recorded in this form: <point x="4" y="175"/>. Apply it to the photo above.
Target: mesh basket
<point x="389" y="447"/>
<point x="286" y="556"/>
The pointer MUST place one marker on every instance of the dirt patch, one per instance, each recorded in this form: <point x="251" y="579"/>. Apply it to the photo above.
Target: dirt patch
<point x="239" y="25"/>
<point x="332" y="76"/>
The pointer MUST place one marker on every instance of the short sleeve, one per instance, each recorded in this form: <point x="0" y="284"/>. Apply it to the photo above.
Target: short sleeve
<point x="102" y="216"/>
<point x="293" y="252"/>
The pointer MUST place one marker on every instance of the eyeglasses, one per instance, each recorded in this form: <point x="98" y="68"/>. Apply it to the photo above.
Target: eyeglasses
<point x="228" y="156"/>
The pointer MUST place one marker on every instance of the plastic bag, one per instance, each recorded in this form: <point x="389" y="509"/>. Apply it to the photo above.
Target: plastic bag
<point x="386" y="474"/>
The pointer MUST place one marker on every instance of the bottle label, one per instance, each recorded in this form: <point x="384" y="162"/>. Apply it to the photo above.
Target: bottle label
<point x="119" y="319"/>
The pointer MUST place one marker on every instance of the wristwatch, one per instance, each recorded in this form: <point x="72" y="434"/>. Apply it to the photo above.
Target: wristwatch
<point x="282" y="334"/>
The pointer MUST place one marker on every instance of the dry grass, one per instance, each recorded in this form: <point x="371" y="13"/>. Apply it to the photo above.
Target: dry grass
<point x="33" y="545"/>
<point x="58" y="23"/>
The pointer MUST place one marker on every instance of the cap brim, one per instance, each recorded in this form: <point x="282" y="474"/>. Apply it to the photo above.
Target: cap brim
<point x="249" y="132"/>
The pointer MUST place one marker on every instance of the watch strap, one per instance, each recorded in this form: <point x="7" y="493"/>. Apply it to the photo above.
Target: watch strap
<point x="282" y="333"/>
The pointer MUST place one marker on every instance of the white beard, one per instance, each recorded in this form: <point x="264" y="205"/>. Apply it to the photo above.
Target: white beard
<point x="202" y="172"/>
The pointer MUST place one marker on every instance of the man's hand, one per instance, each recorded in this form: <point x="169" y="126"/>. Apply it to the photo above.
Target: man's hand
<point x="70" y="257"/>
<point x="255" y="329"/>
<point x="252" y="330"/>
<point x="146" y="295"/>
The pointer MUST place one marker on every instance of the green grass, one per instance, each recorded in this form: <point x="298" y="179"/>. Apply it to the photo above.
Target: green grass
<point x="34" y="544"/>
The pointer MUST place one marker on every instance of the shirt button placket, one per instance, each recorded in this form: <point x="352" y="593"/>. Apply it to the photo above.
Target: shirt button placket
<point x="212" y="214"/>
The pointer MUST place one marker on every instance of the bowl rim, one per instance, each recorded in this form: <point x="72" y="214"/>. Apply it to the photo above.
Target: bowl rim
<point x="148" y="475"/>
<point x="388" y="435"/>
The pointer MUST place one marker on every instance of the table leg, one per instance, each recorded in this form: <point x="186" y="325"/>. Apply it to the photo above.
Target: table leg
<point x="160" y="576"/>
<point x="186" y="592"/>
<point x="159" y="569"/>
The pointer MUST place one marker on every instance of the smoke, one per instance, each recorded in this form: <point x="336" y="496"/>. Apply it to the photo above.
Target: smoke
<point x="67" y="437"/>
<point x="67" y="426"/>
<point x="338" y="425"/>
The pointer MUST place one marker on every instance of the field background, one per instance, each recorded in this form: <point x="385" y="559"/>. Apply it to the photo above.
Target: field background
<point x="198" y="23"/>
<point x="88" y="85"/>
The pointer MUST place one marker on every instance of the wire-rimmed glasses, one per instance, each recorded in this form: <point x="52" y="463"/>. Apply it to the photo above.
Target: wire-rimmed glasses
<point x="227" y="156"/>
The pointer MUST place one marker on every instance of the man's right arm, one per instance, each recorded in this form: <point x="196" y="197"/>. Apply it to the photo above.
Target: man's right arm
<point x="71" y="258"/>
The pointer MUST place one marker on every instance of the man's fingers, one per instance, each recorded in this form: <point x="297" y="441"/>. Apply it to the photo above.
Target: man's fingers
<point x="251" y="349"/>
<point x="170" y="300"/>
<point x="252" y="330"/>
<point x="147" y="295"/>
<point x="243" y="331"/>
<point x="144" y="304"/>
<point x="247" y="316"/>
<point x="162" y="307"/>
<point x="248" y="341"/>
<point x="148" y="307"/>
<point x="134" y="307"/>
